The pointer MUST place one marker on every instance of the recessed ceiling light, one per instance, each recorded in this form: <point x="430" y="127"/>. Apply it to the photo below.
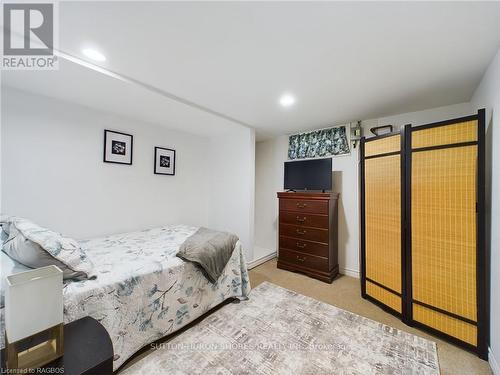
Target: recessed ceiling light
<point x="287" y="100"/>
<point x="93" y="54"/>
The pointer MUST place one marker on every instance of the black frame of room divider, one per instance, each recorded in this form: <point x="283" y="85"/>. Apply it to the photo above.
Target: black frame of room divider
<point x="482" y="250"/>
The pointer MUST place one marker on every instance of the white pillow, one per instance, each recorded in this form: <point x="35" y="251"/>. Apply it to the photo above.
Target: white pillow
<point x="4" y="229"/>
<point x="34" y="246"/>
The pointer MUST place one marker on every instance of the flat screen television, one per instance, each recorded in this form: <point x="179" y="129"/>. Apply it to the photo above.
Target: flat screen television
<point x="314" y="174"/>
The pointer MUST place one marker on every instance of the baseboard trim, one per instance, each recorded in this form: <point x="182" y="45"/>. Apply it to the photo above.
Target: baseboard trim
<point x="350" y="272"/>
<point x="257" y="262"/>
<point x="495" y="368"/>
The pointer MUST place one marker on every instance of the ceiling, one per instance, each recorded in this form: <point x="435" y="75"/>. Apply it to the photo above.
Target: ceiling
<point x="205" y="66"/>
<point x="79" y="84"/>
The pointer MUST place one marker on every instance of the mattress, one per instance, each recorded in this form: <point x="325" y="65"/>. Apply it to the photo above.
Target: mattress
<point x="143" y="292"/>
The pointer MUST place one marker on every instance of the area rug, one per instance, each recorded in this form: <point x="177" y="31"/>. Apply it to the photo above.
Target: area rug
<point x="278" y="331"/>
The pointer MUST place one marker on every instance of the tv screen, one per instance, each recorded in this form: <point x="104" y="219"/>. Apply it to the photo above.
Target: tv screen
<point x="313" y="174"/>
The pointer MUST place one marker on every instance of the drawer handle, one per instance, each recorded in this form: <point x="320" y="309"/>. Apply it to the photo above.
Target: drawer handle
<point x="301" y="220"/>
<point x="300" y="259"/>
<point x="301" y="246"/>
<point x="303" y="205"/>
<point x="301" y="231"/>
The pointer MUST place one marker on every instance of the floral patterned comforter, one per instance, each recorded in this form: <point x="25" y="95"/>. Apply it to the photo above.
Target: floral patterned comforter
<point x="143" y="292"/>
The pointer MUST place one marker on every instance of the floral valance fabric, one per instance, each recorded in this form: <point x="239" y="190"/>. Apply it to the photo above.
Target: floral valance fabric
<point x="319" y="143"/>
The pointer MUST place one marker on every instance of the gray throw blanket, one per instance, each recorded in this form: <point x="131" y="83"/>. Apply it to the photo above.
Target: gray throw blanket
<point x="209" y="249"/>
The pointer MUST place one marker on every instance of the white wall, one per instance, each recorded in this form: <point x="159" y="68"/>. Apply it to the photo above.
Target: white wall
<point x="1" y="95"/>
<point x="345" y="182"/>
<point x="231" y="167"/>
<point x="424" y="117"/>
<point x="269" y="179"/>
<point x="53" y="173"/>
<point x="487" y="95"/>
<point x="269" y="158"/>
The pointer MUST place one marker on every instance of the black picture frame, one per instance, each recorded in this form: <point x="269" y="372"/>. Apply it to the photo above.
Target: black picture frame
<point x="109" y="133"/>
<point x="156" y="170"/>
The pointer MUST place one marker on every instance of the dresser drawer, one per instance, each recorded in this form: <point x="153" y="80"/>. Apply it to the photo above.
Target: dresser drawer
<point x="308" y="220"/>
<point x="303" y="205"/>
<point x="304" y="260"/>
<point x="302" y="246"/>
<point x="305" y="233"/>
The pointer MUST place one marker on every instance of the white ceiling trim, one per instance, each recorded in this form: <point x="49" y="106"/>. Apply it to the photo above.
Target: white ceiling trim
<point x="168" y="95"/>
<point x="146" y="86"/>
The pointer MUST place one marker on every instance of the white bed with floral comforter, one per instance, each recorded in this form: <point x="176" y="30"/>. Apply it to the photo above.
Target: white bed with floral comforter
<point x="143" y="292"/>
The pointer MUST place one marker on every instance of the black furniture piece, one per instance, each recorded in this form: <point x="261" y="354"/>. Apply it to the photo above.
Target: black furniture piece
<point x="87" y="350"/>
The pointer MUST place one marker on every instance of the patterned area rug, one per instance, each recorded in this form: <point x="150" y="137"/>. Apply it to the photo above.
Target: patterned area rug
<point x="279" y="331"/>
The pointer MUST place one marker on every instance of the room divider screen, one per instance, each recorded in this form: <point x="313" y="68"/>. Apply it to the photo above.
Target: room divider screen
<point x="423" y="253"/>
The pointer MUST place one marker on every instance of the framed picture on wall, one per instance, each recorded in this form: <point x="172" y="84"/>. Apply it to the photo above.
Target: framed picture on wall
<point x="117" y="147"/>
<point x="164" y="161"/>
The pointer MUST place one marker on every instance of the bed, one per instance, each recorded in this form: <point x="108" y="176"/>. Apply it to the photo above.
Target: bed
<point x="143" y="292"/>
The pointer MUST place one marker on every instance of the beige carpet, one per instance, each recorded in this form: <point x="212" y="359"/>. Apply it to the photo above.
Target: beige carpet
<point x="344" y="292"/>
<point x="281" y="332"/>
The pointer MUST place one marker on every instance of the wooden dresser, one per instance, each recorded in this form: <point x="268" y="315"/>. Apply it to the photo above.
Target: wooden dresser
<point x="308" y="241"/>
